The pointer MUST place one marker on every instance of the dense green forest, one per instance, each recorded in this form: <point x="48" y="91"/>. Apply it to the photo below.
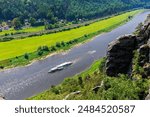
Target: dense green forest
<point x="65" y="9"/>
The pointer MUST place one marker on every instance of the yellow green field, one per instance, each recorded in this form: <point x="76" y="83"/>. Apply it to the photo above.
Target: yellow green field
<point x="30" y="29"/>
<point x="15" y="48"/>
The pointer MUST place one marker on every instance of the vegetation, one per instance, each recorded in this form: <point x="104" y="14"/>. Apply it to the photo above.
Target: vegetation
<point x="94" y="84"/>
<point x="30" y="44"/>
<point x="52" y="10"/>
<point x="16" y="23"/>
<point x="138" y="71"/>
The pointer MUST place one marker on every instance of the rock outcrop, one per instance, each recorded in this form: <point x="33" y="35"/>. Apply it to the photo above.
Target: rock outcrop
<point x="148" y="96"/>
<point x="120" y="52"/>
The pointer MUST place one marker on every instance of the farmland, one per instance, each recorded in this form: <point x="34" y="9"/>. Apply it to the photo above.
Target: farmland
<point x="26" y="30"/>
<point x="15" y="48"/>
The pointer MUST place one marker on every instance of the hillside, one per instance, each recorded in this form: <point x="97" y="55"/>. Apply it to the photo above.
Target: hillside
<point x="65" y="9"/>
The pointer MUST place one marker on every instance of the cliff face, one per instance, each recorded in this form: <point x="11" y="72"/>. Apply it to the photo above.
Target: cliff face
<point x="120" y="54"/>
<point x="121" y="57"/>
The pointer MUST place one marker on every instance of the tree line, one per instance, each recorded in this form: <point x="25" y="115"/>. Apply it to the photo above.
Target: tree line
<point x="36" y="11"/>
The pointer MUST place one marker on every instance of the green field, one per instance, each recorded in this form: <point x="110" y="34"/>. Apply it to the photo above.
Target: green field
<point x="26" y="30"/>
<point x="19" y="47"/>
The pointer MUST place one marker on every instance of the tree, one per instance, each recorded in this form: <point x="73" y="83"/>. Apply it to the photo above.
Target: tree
<point x="50" y="15"/>
<point x="63" y="43"/>
<point x="32" y="21"/>
<point x="26" y="56"/>
<point x="16" y="23"/>
<point x="65" y="9"/>
<point x="40" y="53"/>
<point x="58" y="44"/>
<point x="45" y="48"/>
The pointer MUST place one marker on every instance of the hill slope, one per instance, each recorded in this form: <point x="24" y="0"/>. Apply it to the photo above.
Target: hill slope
<point x="65" y="9"/>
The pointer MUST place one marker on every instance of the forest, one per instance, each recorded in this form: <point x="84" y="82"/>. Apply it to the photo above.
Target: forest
<point x="54" y="10"/>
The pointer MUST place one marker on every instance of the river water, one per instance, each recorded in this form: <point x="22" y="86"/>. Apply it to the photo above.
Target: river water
<point x="22" y="82"/>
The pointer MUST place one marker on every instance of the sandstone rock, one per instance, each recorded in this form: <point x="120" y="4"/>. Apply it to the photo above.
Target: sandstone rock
<point x="148" y="96"/>
<point x="73" y="93"/>
<point x="144" y="52"/>
<point x="119" y="56"/>
<point x="147" y="70"/>
<point x="120" y="52"/>
<point x="144" y="59"/>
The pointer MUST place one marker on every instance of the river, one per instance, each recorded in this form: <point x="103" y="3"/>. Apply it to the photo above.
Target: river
<point x="22" y="82"/>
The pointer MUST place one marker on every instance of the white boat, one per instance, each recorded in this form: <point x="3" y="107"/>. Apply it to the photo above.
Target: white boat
<point x="65" y="64"/>
<point x="55" y="69"/>
<point x="60" y="67"/>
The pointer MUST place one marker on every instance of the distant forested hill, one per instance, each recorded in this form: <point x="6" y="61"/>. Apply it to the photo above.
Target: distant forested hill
<point x="65" y="9"/>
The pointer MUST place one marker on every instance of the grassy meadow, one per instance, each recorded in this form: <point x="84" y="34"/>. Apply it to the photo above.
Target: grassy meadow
<point x="15" y="48"/>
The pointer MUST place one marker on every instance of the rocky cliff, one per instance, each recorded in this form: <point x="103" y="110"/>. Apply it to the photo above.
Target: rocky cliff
<point x="130" y="54"/>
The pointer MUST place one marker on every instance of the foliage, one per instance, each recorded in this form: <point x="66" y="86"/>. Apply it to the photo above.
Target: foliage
<point x="26" y="56"/>
<point x="16" y="23"/>
<point x="32" y="21"/>
<point x="65" y="9"/>
<point x="138" y="71"/>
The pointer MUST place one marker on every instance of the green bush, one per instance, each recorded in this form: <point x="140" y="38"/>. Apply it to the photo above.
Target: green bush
<point x="6" y="34"/>
<point x="40" y="53"/>
<point x="58" y="44"/>
<point x="1" y="67"/>
<point x="123" y="88"/>
<point x="53" y="48"/>
<point x="26" y="56"/>
<point x="45" y="48"/>
<point x="55" y="90"/>
<point x="63" y="43"/>
<point x="80" y="80"/>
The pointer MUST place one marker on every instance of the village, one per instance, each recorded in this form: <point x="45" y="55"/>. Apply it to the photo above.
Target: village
<point x="5" y="25"/>
<point x="17" y="24"/>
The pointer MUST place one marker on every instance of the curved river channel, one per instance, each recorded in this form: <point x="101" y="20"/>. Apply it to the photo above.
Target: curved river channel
<point x="22" y="82"/>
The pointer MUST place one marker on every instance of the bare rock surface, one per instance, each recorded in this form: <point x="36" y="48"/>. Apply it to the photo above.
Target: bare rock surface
<point x="119" y="55"/>
<point x="120" y="52"/>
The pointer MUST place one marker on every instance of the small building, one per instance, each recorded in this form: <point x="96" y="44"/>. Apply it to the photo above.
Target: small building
<point x="9" y="23"/>
<point x="6" y="27"/>
<point x="1" y="29"/>
<point x="26" y="23"/>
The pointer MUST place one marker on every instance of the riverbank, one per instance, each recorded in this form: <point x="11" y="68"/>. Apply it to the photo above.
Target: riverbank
<point x="21" y="60"/>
